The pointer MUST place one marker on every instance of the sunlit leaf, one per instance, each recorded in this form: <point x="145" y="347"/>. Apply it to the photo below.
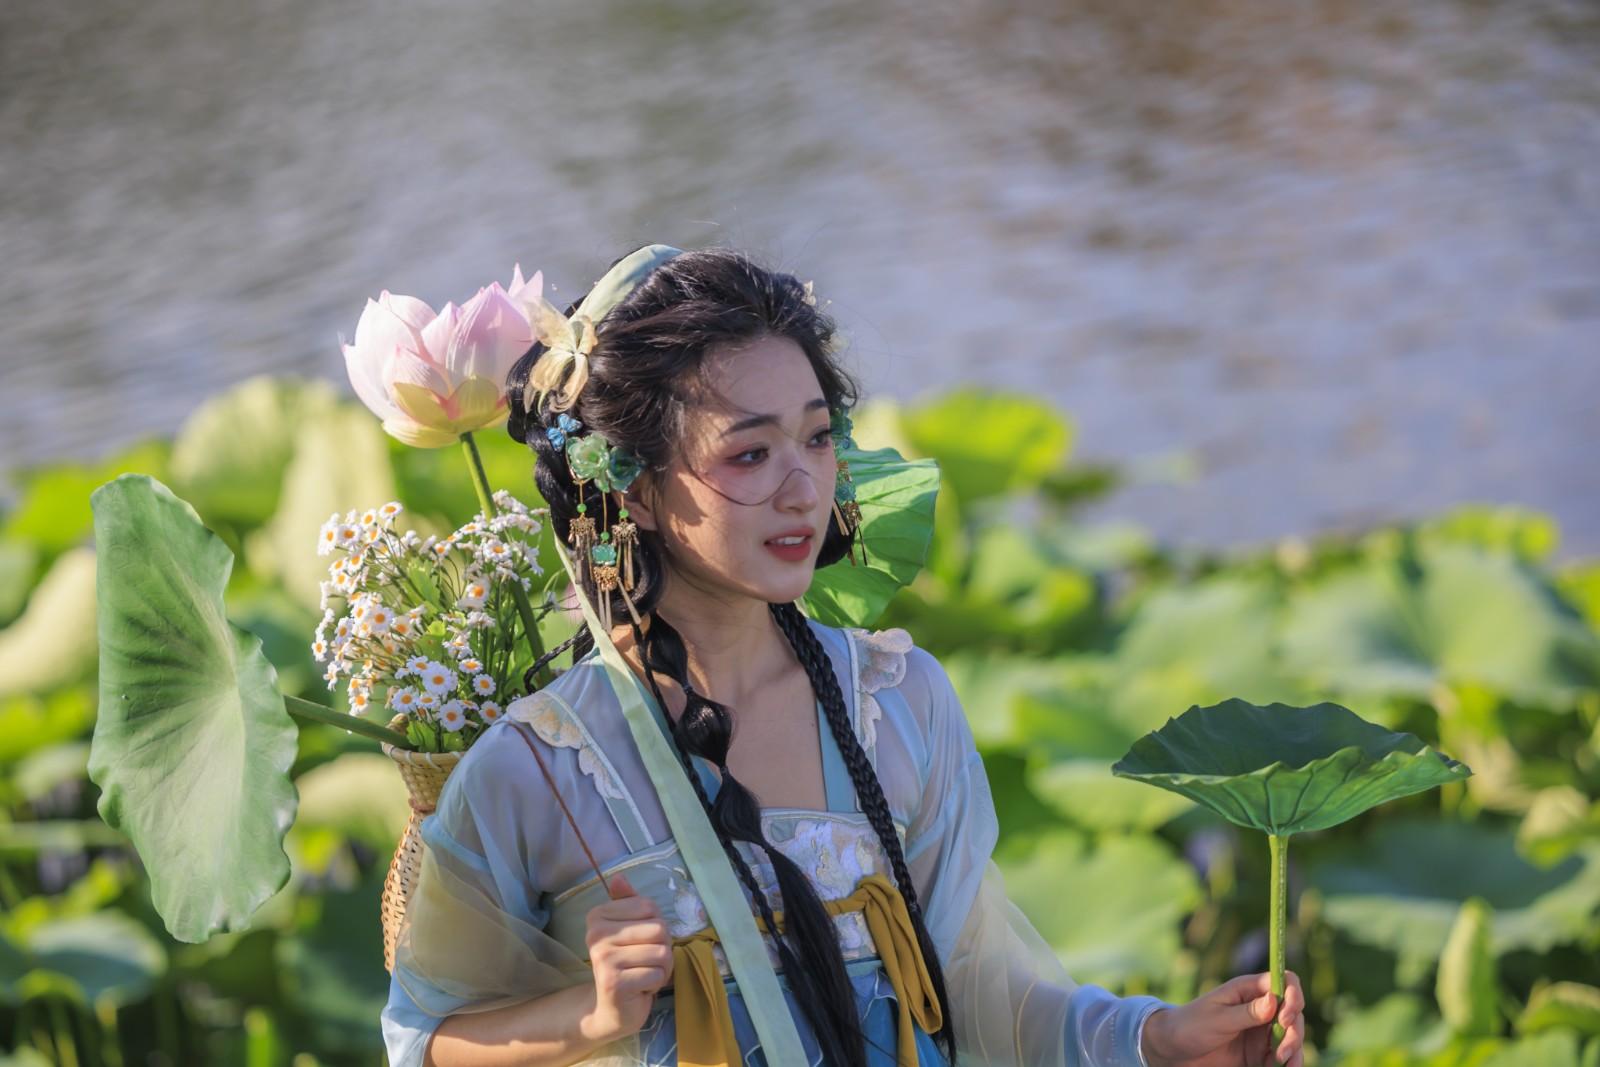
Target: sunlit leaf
<point x="1197" y="644"/>
<point x="1562" y="1004"/>
<point x="1466" y="984"/>
<point x="989" y="443"/>
<point x="1461" y="615"/>
<point x="53" y="513"/>
<point x="897" y="500"/>
<point x="52" y="643"/>
<point x="18" y="561"/>
<point x="340" y="463"/>
<point x="1111" y="910"/>
<point x="230" y="456"/>
<point x="1285" y="770"/>
<point x="193" y="746"/>
<point x="1401" y="886"/>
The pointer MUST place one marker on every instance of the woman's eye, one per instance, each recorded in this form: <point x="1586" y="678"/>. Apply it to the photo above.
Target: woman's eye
<point x="823" y="436"/>
<point x="751" y="455"/>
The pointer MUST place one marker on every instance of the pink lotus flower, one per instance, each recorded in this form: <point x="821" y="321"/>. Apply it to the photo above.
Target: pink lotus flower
<point x="433" y="377"/>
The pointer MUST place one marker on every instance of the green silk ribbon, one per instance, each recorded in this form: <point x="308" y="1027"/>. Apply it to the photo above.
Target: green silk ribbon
<point x="709" y="868"/>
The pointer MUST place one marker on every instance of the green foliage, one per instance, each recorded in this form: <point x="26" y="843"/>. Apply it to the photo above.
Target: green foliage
<point x="1066" y="642"/>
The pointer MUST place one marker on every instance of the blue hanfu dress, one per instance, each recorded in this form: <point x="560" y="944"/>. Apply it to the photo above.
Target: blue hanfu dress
<point x="500" y="910"/>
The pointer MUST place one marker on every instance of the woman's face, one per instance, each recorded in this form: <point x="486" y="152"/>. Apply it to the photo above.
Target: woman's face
<point x="744" y="507"/>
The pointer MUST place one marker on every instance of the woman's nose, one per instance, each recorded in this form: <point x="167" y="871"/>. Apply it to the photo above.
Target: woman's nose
<point x="798" y="491"/>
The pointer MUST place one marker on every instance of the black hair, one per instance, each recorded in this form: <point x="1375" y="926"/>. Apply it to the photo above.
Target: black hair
<point x="646" y="372"/>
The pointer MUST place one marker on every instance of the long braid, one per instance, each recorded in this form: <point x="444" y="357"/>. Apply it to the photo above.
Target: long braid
<point x="808" y="946"/>
<point x="869" y="791"/>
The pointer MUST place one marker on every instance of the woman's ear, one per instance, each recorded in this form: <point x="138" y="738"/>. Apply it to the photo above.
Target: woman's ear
<point x="638" y="502"/>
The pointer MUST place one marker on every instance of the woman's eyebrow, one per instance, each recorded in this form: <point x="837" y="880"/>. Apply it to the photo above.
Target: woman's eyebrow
<point x="769" y="420"/>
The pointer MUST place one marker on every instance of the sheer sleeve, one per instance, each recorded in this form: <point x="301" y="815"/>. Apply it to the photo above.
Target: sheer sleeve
<point x="474" y="936"/>
<point x="1012" y="1002"/>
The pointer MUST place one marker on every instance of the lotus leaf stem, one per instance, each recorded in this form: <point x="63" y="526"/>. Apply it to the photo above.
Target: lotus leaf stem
<point x="1280" y="909"/>
<point x="305" y="709"/>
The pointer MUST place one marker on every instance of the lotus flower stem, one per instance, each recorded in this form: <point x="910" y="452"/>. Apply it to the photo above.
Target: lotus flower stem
<point x="1280" y="912"/>
<point x="480" y="482"/>
<point x="305" y="709"/>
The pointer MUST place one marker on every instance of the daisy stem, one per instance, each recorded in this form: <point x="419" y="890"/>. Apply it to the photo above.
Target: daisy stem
<point x="480" y="481"/>
<point x="305" y="709"/>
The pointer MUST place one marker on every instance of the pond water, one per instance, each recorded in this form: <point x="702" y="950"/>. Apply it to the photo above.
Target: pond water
<point x="1343" y="258"/>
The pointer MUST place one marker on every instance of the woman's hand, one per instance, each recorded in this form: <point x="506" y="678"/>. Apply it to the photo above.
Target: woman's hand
<point x="630" y="948"/>
<point x="1229" y="1027"/>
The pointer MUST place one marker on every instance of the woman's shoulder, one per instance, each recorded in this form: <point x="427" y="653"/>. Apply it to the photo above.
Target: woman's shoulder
<point x="888" y="659"/>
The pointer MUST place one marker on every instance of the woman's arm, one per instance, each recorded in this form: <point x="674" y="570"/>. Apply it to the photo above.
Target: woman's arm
<point x="630" y="947"/>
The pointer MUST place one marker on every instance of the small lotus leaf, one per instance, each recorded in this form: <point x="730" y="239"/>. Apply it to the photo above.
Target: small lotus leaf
<point x="896" y="499"/>
<point x="1285" y="770"/>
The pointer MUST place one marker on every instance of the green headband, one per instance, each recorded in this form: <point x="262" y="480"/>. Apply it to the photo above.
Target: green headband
<point x="569" y="341"/>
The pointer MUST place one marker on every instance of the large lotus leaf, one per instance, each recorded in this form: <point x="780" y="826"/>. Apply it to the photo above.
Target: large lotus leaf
<point x="193" y="746"/>
<point x="1401" y="886"/>
<point x="230" y="456"/>
<point x="896" y="501"/>
<point x="1396" y="1020"/>
<point x="106" y="957"/>
<point x="1460" y="616"/>
<point x="1199" y="643"/>
<point x="1019" y="586"/>
<point x="341" y="463"/>
<point x="989" y="443"/>
<point x="52" y="643"/>
<point x="1285" y="770"/>
<point x="1111" y="910"/>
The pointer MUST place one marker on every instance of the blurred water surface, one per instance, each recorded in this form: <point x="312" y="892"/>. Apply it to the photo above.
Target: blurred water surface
<point x="1347" y="255"/>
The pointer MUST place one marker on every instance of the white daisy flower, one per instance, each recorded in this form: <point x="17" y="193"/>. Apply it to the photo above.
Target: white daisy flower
<point x="359" y="701"/>
<point x="470" y="665"/>
<point x="328" y="536"/>
<point x="414" y="665"/>
<point x="488" y="711"/>
<point x="452" y="716"/>
<point x="427" y="702"/>
<point x="474" y="594"/>
<point x="401" y="627"/>
<point x="319" y="649"/>
<point x="483" y="685"/>
<point x="380" y="618"/>
<point x="391" y="509"/>
<point x="347" y="535"/>
<point x="479" y="620"/>
<point x="437" y="678"/>
<point x="369" y="517"/>
<point x="403" y="699"/>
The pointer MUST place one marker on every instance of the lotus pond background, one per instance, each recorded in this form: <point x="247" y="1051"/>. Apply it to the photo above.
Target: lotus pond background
<point x="1275" y="270"/>
<point x="1458" y="926"/>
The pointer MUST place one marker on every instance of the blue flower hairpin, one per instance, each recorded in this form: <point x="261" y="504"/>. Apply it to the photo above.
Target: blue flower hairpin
<point x="565" y="424"/>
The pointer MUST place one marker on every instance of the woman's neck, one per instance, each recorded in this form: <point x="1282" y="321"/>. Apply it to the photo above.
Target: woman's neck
<point x="734" y="647"/>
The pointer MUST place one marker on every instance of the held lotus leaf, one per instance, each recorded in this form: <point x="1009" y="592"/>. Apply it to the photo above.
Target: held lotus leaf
<point x="1285" y="770"/>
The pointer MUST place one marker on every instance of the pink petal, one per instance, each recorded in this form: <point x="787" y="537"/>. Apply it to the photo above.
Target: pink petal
<point x="366" y="376"/>
<point x="489" y="337"/>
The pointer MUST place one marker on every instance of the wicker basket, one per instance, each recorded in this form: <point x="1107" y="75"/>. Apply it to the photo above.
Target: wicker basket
<point x="424" y="774"/>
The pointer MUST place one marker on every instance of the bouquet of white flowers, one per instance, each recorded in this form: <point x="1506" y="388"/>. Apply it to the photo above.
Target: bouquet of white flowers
<point x="428" y="627"/>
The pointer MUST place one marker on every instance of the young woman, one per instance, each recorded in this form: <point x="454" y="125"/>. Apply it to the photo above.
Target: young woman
<point x="836" y="767"/>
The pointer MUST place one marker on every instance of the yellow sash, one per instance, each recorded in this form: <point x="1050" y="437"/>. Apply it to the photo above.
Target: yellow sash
<point x="700" y="999"/>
